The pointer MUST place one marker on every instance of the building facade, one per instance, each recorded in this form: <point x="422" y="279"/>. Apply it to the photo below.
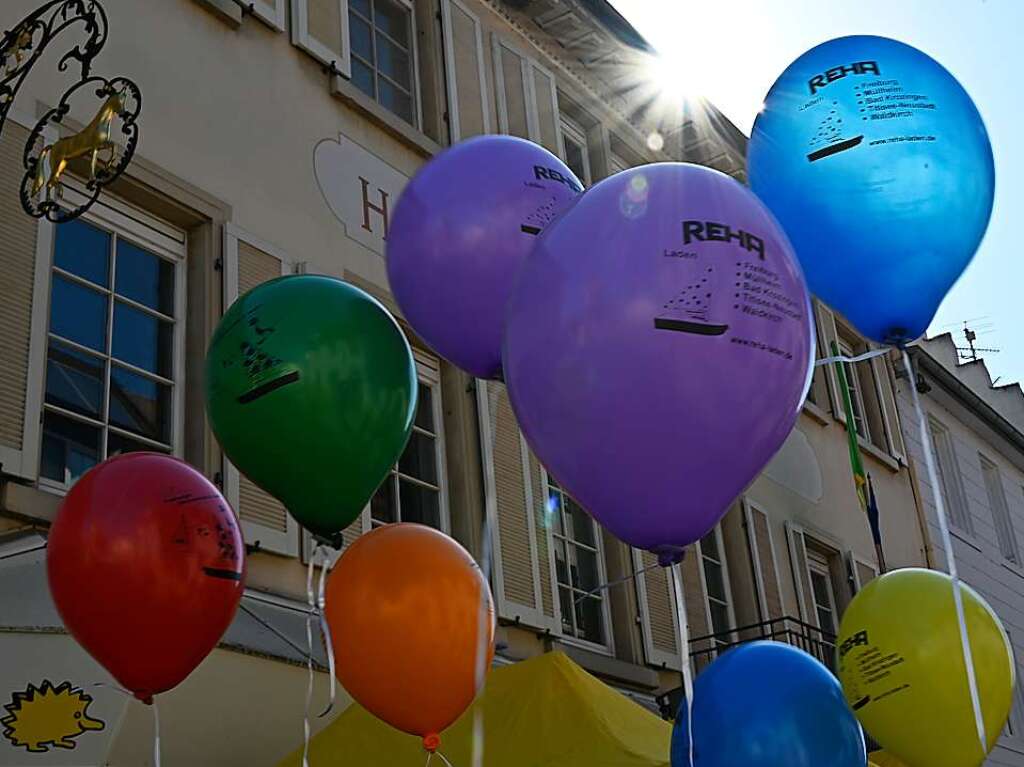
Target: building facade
<point x="276" y="138"/>
<point x="977" y="433"/>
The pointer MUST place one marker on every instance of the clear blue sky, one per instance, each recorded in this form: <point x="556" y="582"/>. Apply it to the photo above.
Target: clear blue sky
<point x="731" y="51"/>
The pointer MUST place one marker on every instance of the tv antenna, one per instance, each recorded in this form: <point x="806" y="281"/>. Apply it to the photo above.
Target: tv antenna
<point x="970" y="352"/>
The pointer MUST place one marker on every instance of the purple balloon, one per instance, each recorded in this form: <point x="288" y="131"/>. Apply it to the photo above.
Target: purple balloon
<point x="461" y="231"/>
<point x="658" y="348"/>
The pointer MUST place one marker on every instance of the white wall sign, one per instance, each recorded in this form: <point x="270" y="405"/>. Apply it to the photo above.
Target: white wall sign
<point x="359" y="188"/>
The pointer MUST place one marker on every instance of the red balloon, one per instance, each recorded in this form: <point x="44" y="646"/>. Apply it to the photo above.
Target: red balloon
<point x="146" y="566"/>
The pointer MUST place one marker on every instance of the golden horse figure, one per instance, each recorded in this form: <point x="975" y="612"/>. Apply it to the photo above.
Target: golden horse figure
<point x="92" y="140"/>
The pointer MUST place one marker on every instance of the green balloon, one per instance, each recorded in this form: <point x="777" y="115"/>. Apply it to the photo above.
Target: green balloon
<point x="311" y="390"/>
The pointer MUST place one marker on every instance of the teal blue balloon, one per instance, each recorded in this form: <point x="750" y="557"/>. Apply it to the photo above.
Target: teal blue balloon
<point x="877" y="164"/>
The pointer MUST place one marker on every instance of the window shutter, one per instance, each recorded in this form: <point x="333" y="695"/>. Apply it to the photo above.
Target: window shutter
<point x="659" y="624"/>
<point x="545" y="99"/>
<point x="469" y="111"/>
<point x="862" y="571"/>
<point x="20" y="240"/>
<point x="827" y="335"/>
<point x="320" y="27"/>
<point x="765" y="566"/>
<point x="247" y="263"/>
<point x="527" y="97"/>
<point x="270" y="12"/>
<point x="513" y="498"/>
<point x="890" y="413"/>
<point x="801" y="573"/>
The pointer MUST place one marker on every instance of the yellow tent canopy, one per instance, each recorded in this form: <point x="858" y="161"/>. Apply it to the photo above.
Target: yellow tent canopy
<point x="882" y="759"/>
<point x="543" y="712"/>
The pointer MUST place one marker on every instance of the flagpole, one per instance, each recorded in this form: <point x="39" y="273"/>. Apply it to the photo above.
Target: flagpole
<point x="865" y="491"/>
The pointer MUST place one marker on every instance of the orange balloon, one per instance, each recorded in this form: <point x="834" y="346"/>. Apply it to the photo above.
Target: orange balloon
<point x="410" y="613"/>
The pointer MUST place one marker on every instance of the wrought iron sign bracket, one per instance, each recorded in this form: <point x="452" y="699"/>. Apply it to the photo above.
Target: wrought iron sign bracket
<point x="105" y="147"/>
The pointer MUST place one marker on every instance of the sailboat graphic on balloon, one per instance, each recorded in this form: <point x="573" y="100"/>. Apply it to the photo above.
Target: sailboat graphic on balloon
<point x="690" y="310"/>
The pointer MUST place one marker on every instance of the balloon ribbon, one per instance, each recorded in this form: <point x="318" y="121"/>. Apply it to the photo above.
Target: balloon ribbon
<point x="947" y="545"/>
<point x="859" y="358"/>
<point x="156" y="718"/>
<point x="684" y="653"/>
<point x="316" y="601"/>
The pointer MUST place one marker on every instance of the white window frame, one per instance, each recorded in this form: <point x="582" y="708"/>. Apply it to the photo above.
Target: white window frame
<point x="818" y="564"/>
<point x="451" y="80"/>
<point x="730" y="605"/>
<point x="572" y="131"/>
<point x="999" y="507"/>
<point x="428" y="375"/>
<point x="270" y="12"/>
<point x="608" y="648"/>
<point x="145" y="231"/>
<point x="527" y="65"/>
<point x="414" y="56"/>
<point x="287" y="542"/>
<point x="958" y="512"/>
<point x="301" y="38"/>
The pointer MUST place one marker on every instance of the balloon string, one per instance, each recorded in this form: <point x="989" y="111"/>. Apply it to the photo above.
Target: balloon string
<point x="616" y="582"/>
<point x="325" y="628"/>
<point x="156" y="718"/>
<point x="684" y="654"/>
<point x="947" y="545"/>
<point x="439" y="755"/>
<point x="310" y="617"/>
<point x="858" y="358"/>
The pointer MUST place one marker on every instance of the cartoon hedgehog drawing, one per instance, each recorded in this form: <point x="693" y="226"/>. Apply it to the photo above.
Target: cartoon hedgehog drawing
<point x="47" y="716"/>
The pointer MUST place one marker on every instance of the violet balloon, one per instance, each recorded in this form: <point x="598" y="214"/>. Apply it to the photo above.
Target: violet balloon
<point x="658" y="348"/>
<point x="460" y="233"/>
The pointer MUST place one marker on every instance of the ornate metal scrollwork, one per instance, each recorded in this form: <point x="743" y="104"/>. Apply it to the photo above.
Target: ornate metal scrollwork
<point x="102" y="150"/>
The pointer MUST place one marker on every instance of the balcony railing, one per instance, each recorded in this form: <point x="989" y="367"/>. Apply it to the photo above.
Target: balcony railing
<point x="788" y="630"/>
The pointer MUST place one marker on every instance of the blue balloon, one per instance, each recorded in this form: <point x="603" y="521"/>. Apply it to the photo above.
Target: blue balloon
<point x="877" y="164"/>
<point x="767" y="704"/>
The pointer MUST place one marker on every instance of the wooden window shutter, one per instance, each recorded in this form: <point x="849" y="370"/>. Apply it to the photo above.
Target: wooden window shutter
<point x="659" y="623"/>
<point x="861" y="571"/>
<point x="513" y="502"/>
<point x="827" y="334"/>
<point x="762" y="556"/>
<point x="270" y="12"/>
<point x="469" y="109"/>
<point x="527" y="97"/>
<point x="801" y="573"/>
<point x="545" y="100"/>
<point x="247" y="263"/>
<point x="890" y="413"/>
<point x="20" y="241"/>
<point x="320" y="27"/>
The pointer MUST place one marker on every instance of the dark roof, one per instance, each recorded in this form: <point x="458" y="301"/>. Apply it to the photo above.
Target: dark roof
<point x="616" y="23"/>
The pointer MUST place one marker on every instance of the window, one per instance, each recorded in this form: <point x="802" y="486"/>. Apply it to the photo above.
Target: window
<point x="822" y="593"/>
<point x="526" y="95"/>
<point x="949" y="476"/>
<point x="114" y="349"/>
<point x="856" y="391"/>
<point x="616" y="164"/>
<point x="574" y="144"/>
<point x="413" y="491"/>
<point x="383" y="56"/>
<point x="1000" y="511"/>
<point x="716" y="582"/>
<point x="579" y="566"/>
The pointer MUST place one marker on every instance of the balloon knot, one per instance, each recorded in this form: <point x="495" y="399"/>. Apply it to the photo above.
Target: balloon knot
<point x="145" y="697"/>
<point x="432" y="742"/>
<point x="669" y="555"/>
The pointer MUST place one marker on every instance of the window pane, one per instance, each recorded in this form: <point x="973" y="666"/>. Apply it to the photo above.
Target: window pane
<point x="582" y="524"/>
<point x="362" y="76"/>
<point x="78" y="314"/>
<point x="396" y="100"/>
<point x="553" y="519"/>
<point x="719" y="618"/>
<point x="144" y="277"/>
<point x="715" y="581"/>
<point x="821" y="588"/>
<point x="565" y="599"/>
<point x="118" y="444"/>
<point x="561" y="569"/>
<point x="419" y="459"/>
<point x="143" y="340"/>
<point x="69" y="448"/>
<point x="392" y="18"/>
<point x="83" y="250"/>
<point x="393" y="61"/>
<point x="588" y="620"/>
<point x="574" y="158"/>
<point x="363" y="6"/>
<point x="419" y="504"/>
<point x="709" y="546"/>
<point x="585" y="572"/>
<point x="425" y="409"/>
<point x="826" y="621"/>
<point x="382" y="506"/>
<point x="362" y="37"/>
<point x="74" y="380"/>
<point x="140" y="404"/>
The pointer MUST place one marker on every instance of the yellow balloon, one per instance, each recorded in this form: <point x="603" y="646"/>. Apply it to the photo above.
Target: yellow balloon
<point x="882" y="759"/>
<point x="902" y="668"/>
